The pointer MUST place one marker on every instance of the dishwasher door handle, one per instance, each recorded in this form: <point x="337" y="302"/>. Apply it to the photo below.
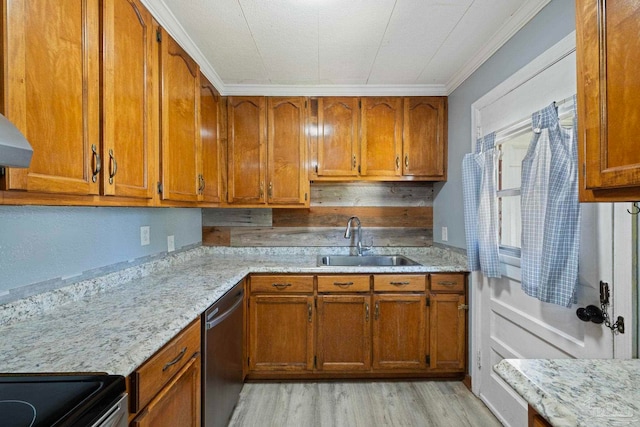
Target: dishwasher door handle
<point x="220" y="318"/>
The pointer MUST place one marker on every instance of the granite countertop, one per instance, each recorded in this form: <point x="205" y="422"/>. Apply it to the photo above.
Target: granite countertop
<point x="578" y="392"/>
<point x="114" y="323"/>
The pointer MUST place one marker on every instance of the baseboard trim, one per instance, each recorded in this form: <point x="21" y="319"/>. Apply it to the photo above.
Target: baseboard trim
<point x="467" y="381"/>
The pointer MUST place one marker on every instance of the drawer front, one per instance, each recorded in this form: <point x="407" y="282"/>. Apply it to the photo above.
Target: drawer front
<point x="158" y="370"/>
<point x="342" y="283"/>
<point x="447" y="282"/>
<point x="400" y="282"/>
<point x="282" y="284"/>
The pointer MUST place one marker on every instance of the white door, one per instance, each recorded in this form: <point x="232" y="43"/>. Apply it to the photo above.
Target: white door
<point x="507" y="323"/>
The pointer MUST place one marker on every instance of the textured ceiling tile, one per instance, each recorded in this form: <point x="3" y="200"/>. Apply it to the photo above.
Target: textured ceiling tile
<point x="483" y="19"/>
<point x="414" y="35"/>
<point x="286" y="34"/>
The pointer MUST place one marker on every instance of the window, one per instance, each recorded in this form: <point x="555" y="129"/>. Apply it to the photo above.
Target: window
<point x="512" y="143"/>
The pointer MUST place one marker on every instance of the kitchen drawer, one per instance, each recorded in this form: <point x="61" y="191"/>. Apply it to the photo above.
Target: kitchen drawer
<point x="350" y="283"/>
<point x="281" y="284"/>
<point x="447" y="282"/>
<point x="151" y="377"/>
<point x="399" y="282"/>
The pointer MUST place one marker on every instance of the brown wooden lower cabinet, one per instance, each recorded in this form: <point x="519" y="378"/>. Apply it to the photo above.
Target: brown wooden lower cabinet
<point x="356" y="326"/>
<point x="399" y="331"/>
<point x="178" y="404"/>
<point x="536" y="420"/>
<point x="166" y="389"/>
<point x="281" y="332"/>
<point x="344" y="332"/>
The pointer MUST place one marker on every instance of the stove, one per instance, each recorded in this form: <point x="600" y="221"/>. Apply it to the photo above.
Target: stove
<point x="52" y="400"/>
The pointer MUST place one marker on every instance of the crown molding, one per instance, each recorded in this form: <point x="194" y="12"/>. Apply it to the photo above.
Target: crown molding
<point x="334" y="90"/>
<point x="519" y="19"/>
<point x="168" y="21"/>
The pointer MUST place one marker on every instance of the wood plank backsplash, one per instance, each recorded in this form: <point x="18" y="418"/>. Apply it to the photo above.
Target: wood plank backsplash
<point x="392" y="214"/>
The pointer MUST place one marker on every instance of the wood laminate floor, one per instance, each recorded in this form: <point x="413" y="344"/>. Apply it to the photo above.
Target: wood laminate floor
<point x="370" y="404"/>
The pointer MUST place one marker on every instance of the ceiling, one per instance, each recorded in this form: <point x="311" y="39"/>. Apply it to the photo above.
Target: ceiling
<point x="334" y="47"/>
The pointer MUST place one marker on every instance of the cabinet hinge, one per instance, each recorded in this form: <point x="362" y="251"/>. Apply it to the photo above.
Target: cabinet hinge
<point x="159" y="188"/>
<point x="359" y="103"/>
<point x="2" y="172"/>
<point x="305" y="197"/>
<point x="427" y="359"/>
<point x="305" y="103"/>
<point x="158" y="36"/>
<point x="359" y="170"/>
<point x="428" y="302"/>
<point x="316" y="168"/>
<point x="315" y="361"/>
<point x="248" y="361"/>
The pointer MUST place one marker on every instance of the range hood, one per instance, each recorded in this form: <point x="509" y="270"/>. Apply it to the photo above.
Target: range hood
<point x="15" y="150"/>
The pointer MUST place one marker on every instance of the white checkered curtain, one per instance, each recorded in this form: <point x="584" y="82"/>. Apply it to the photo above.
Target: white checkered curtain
<point x="550" y="211"/>
<point x="480" y="207"/>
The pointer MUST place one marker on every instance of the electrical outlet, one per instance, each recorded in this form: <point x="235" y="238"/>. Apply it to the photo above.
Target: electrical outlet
<point x="445" y="234"/>
<point x="145" y="235"/>
<point x="171" y="244"/>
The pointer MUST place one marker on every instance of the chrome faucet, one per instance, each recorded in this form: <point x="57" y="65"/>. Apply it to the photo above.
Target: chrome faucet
<point x="347" y="233"/>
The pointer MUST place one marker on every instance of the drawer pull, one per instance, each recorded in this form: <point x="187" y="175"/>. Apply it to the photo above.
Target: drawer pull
<point x="281" y="285"/>
<point x="174" y="361"/>
<point x="447" y="283"/>
<point x="342" y="284"/>
<point x="399" y="283"/>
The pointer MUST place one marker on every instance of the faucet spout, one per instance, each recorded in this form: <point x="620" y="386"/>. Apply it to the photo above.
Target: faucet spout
<point x="347" y="233"/>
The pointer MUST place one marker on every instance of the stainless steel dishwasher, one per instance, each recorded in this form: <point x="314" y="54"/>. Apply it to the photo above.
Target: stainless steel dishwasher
<point x="222" y="339"/>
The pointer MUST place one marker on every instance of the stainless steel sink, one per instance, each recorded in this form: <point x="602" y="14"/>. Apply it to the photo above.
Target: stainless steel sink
<point x="366" y="260"/>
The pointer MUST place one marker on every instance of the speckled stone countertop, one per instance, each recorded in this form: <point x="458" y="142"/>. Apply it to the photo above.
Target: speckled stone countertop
<point x="115" y="322"/>
<point x="578" y="392"/>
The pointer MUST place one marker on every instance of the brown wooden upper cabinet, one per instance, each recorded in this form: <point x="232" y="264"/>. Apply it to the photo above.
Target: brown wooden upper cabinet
<point x="379" y="139"/>
<point x="180" y="122"/>
<point x="129" y="85"/>
<point x="51" y="93"/>
<point x="53" y="88"/>
<point x="274" y="173"/>
<point x="607" y="46"/>
<point x="210" y="178"/>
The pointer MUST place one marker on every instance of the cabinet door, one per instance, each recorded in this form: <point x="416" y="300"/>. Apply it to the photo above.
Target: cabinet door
<point x="281" y="332"/>
<point x="180" y="100"/>
<point x="448" y="331"/>
<point x="337" y="150"/>
<point x="381" y="136"/>
<point x="399" y="331"/>
<point x="344" y="332"/>
<point x="287" y="151"/>
<point x="178" y="404"/>
<point x="130" y="110"/>
<point x="425" y="137"/>
<point x="51" y="92"/>
<point x="246" y="151"/>
<point x="210" y="179"/>
<point x="608" y="51"/>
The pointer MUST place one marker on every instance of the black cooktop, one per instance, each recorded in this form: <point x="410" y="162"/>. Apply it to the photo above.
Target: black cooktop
<point x="56" y="400"/>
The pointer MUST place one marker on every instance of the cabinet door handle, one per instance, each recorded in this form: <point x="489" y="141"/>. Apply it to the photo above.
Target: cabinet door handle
<point x="463" y="307"/>
<point x="310" y="308"/>
<point x="447" y="283"/>
<point x="113" y="166"/>
<point x="366" y="311"/>
<point x="399" y="283"/>
<point x="261" y="189"/>
<point x="281" y="285"/>
<point x="176" y="360"/>
<point x="97" y="163"/>
<point x="342" y="284"/>
<point x="377" y="310"/>
<point x="202" y="183"/>
<point x="397" y="162"/>
<point x="270" y="190"/>
<point x="406" y="161"/>
<point x="354" y="161"/>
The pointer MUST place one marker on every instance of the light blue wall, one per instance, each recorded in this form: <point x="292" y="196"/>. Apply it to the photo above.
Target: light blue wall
<point x="42" y="243"/>
<point x="548" y="27"/>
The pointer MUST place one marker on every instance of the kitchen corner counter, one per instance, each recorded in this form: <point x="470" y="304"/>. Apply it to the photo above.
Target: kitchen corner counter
<point x="577" y="392"/>
<point x="114" y="323"/>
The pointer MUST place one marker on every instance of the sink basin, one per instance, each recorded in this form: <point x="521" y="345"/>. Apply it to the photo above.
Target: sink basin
<point x="366" y="260"/>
